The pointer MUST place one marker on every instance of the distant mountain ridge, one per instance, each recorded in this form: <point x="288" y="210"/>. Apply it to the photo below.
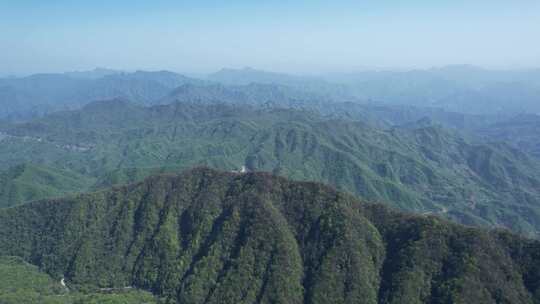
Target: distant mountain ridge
<point x="250" y="75"/>
<point x="93" y="74"/>
<point x="460" y="88"/>
<point x="258" y="94"/>
<point x="456" y="89"/>
<point x="39" y="94"/>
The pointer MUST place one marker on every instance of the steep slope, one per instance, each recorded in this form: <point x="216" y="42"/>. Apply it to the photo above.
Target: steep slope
<point x="210" y="237"/>
<point x="417" y="167"/>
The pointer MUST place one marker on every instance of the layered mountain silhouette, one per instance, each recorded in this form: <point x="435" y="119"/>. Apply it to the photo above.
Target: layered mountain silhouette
<point x="33" y="96"/>
<point x="463" y="89"/>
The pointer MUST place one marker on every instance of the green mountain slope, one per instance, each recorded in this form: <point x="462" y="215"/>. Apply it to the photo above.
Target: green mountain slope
<point x="29" y="182"/>
<point x="210" y="237"/>
<point x="22" y="283"/>
<point x="419" y="167"/>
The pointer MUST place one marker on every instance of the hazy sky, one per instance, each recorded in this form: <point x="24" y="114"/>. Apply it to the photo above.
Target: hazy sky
<point x="295" y="36"/>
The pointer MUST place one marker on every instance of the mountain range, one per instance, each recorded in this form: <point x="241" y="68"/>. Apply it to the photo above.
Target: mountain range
<point x="419" y="166"/>
<point x="36" y="95"/>
<point x="246" y="186"/>
<point x="463" y="89"/>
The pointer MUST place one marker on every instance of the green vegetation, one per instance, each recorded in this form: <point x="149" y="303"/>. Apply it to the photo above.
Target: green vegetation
<point x="29" y="182"/>
<point x="21" y="283"/>
<point x="210" y="237"/>
<point x="416" y="167"/>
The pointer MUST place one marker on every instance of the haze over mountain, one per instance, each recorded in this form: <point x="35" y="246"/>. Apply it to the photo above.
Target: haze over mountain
<point x="465" y="89"/>
<point x="461" y="89"/>
<point x="43" y="93"/>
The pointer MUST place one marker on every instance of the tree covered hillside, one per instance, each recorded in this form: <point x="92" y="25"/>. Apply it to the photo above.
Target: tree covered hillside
<point x="210" y="237"/>
<point x="419" y="167"/>
<point x="22" y="283"/>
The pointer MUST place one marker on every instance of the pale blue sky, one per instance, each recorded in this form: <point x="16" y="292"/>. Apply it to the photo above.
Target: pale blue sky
<point x="293" y="36"/>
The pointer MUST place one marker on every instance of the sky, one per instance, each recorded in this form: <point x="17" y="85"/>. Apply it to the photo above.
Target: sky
<point x="287" y="36"/>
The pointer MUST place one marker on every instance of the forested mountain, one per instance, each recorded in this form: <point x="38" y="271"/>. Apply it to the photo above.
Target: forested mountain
<point x="419" y="167"/>
<point x="28" y="182"/>
<point x="23" y="283"/>
<point x="521" y="131"/>
<point x="382" y="99"/>
<point x="357" y="166"/>
<point x="210" y="237"/>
